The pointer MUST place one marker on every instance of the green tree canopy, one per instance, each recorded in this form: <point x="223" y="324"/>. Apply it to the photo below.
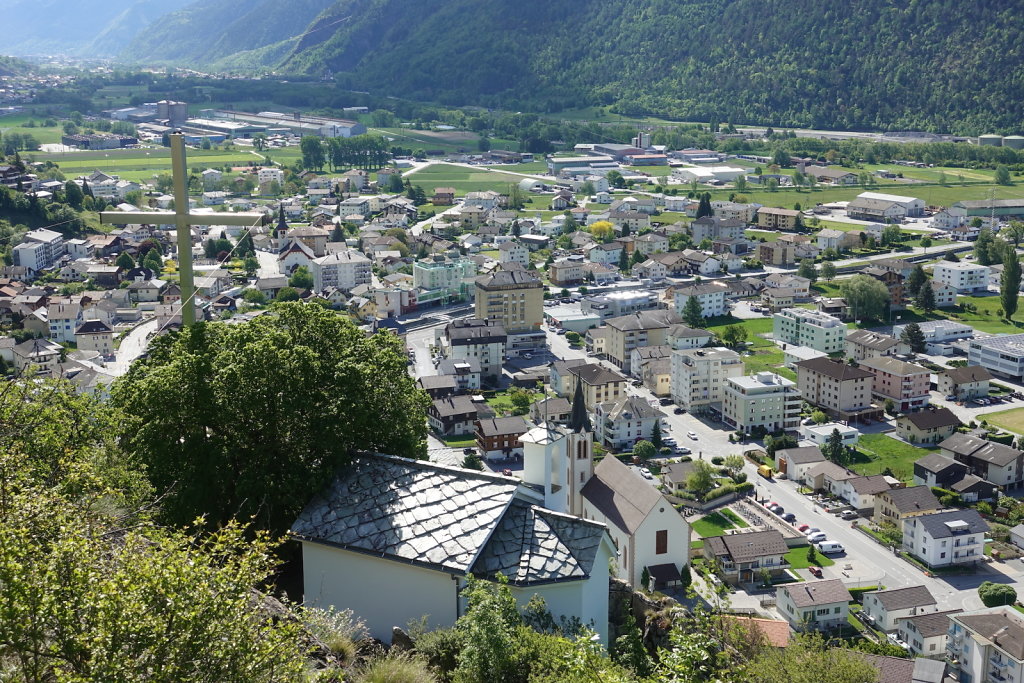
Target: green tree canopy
<point x="917" y="278"/>
<point x="808" y="270"/>
<point x="866" y="296"/>
<point x="828" y="271"/>
<point x="301" y="279"/>
<point x="644" y="449"/>
<point x="913" y="336"/>
<point x="693" y="314"/>
<point x="125" y="261"/>
<point x="1009" y="285"/>
<point x="996" y="594"/>
<point x="253" y="419"/>
<point x="701" y="480"/>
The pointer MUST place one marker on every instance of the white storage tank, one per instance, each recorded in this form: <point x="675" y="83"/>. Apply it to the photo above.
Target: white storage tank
<point x="991" y="140"/>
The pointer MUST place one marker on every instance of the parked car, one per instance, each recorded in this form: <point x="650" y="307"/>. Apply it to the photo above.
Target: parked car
<point x="789" y="517"/>
<point x="679" y="411"/>
<point x="468" y="451"/>
<point x="683" y="450"/>
<point x="638" y="383"/>
<point x="816" y="571"/>
<point x="561" y="332"/>
<point x="818" y="537"/>
<point x="810" y="530"/>
<point x="895" y="640"/>
<point x="849" y="514"/>
<point x="665" y="401"/>
<point x="807" y="422"/>
<point x="803" y="528"/>
<point x="646" y="473"/>
<point x="951" y="397"/>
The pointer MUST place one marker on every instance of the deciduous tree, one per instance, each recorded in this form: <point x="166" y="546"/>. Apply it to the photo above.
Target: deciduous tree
<point x="1009" y="284"/>
<point x="866" y="296"/>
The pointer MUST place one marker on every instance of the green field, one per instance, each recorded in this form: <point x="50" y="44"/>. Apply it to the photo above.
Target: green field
<point x="527" y="167"/>
<point x="933" y="195"/>
<point x="463" y="179"/>
<point x="714" y="524"/>
<point x="1010" y="420"/>
<point x="767" y="356"/>
<point x="45" y="136"/>
<point x="143" y="164"/>
<point x="797" y="558"/>
<point x="448" y="141"/>
<point x="876" y="452"/>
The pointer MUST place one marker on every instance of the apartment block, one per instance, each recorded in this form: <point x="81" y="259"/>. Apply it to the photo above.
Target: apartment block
<point x="777" y="219"/>
<point x="344" y="270"/>
<point x="699" y="376"/>
<point x="810" y="328"/>
<point x="965" y="278"/>
<point x="944" y="539"/>
<point x="644" y="328"/>
<point x="987" y="645"/>
<point x="711" y="299"/>
<point x="763" y="400"/>
<point x="515" y="298"/>
<point x="905" y="383"/>
<point x="1002" y="355"/>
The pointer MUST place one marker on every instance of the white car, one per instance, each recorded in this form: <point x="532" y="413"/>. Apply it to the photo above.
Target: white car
<point x="646" y="473"/>
<point x="692" y="435"/>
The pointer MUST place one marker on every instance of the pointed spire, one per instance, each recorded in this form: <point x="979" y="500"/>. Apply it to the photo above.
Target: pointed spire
<point x="579" y="421"/>
<point x="281" y="224"/>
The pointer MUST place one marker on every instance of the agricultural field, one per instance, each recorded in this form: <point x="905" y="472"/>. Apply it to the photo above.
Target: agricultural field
<point x="112" y="96"/>
<point x="448" y="141"/>
<point x="463" y="179"/>
<point x="143" y="164"/>
<point x="933" y="195"/>
<point x="45" y="135"/>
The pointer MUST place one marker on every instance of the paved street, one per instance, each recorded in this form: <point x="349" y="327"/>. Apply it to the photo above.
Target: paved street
<point x="132" y="346"/>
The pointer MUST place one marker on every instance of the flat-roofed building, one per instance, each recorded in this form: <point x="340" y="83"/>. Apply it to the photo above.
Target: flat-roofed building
<point x="764" y="400"/>
<point x="699" y="376"/>
<point x="965" y="278"/>
<point x="1003" y="355"/>
<point x="810" y="328"/>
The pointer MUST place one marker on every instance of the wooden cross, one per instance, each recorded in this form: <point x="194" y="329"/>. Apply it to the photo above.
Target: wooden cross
<point x="184" y="221"/>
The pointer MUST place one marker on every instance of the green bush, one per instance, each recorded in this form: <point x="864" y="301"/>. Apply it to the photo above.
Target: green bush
<point x="723" y="490"/>
<point x="1005" y="439"/>
<point x="395" y="668"/>
<point x="858" y="593"/>
<point x="441" y="648"/>
<point x="995" y="594"/>
<point x="744" y="487"/>
<point x="717" y="460"/>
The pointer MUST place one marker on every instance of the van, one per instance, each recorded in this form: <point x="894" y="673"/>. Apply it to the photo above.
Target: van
<point x="829" y="547"/>
<point x="765" y="471"/>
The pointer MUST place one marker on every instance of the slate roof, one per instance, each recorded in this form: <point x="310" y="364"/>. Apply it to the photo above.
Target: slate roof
<point x="931" y="625"/>
<point x="834" y="369"/>
<point x="748" y="547"/>
<point x="802" y="455"/>
<point x="592" y="374"/>
<point x="475" y="331"/>
<point x="447" y="518"/>
<point x="870" y="485"/>
<point x="904" y="598"/>
<point x="987" y="624"/>
<point x="645" y="320"/>
<point x="629" y="408"/>
<point x="969" y="373"/>
<point x="987" y="451"/>
<point x="813" y="593"/>
<point x="937" y="462"/>
<point x="460" y="405"/>
<point x="891" y="669"/>
<point x="621" y="494"/>
<point x="912" y="499"/>
<point x="872" y="340"/>
<point x="932" y="418"/>
<point x="935" y="523"/>
<point x="498" y="426"/>
<point x="831" y="470"/>
<point x="505" y="278"/>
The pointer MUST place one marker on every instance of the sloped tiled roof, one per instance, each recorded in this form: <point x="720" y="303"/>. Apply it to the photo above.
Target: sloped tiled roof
<point x="913" y="499"/>
<point x="801" y="455"/>
<point x="621" y="494"/>
<point x="931" y="625"/>
<point x="932" y="418"/>
<point x="824" y="592"/>
<point x="970" y="373"/>
<point x="449" y="519"/>
<point x="748" y="547"/>
<point x="834" y="369"/>
<point x="987" y="451"/>
<point x="904" y="598"/>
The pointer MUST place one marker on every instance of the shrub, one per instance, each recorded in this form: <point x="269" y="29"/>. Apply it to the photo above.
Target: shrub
<point x="337" y="629"/>
<point x="723" y="490"/>
<point x="858" y="593"/>
<point x="395" y="668"/>
<point x="441" y="648"/>
<point x="995" y="594"/>
<point x="984" y="508"/>
<point x="744" y="487"/>
<point x="717" y="460"/>
<point x="740" y="478"/>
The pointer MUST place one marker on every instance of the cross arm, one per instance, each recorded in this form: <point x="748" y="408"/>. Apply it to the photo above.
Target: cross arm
<point x="169" y="217"/>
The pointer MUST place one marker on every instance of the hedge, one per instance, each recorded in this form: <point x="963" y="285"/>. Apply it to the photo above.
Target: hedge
<point x="1005" y="439"/>
<point x="858" y="593"/>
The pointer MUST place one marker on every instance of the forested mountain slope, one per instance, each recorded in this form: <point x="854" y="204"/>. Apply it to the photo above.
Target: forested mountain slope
<point x="208" y="30"/>
<point x="878" y="64"/>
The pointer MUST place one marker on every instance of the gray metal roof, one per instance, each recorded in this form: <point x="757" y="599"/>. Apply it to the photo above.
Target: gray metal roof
<point x="913" y="498"/>
<point x="801" y="455"/>
<point x="986" y="451"/>
<point x="937" y="524"/>
<point x="447" y="518"/>
<point x="931" y="625"/>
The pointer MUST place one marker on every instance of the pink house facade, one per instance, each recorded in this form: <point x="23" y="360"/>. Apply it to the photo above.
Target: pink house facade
<point x="905" y="383"/>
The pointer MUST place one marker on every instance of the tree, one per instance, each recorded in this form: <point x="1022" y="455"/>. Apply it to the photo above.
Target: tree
<point x="125" y="261"/>
<point x="624" y="262"/>
<point x="286" y="294"/>
<point x="819" y="417"/>
<point x="313" y="156"/>
<point x="1013" y="233"/>
<point x="833" y="449"/>
<point x="780" y="157"/>
<point x="521" y="400"/>
<point x="254" y="297"/>
<point x="917" y="278"/>
<point x="925" y="299"/>
<point x="828" y="271"/>
<point x="251" y="420"/>
<point x="808" y="659"/>
<point x="602" y="231"/>
<point x="913" y="336"/>
<point x="891" y="235"/>
<point x="73" y="195"/>
<point x="1009" y="284"/>
<point x="704" y="206"/>
<point x="259" y="141"/>
<point x="693" y="314"/>
<point x="301" y="279"/>
<point x="473" y="461"/>
<point x="644" y="449"/>
<point x="926" y="242"/>
<point x="890" y="407"/>
<point x="866" y="296"/>
<point x="983" y="247"/>
<point x="1002" y="176"/>
<point x="812" y="555"/>
<point x="701" y="480"/>
<point x="615" y="179"/>
<point x="251" y="264"/>
<point x="808" y="270"/>
<point x="734" y="335"/>
<point x="733" y="463"/>
<point x="996" y="594"/>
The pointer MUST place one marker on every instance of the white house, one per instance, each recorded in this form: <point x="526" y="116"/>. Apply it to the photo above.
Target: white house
<point x="965" y="278"/>
<point x="985" y="642"/>
<point x="819" y="434"/>
<point x="943" y="539"/>
<point x="795" y="463"/>
<point x="926" y="633"/>
<point x="810" y="328"/>
<point x="619" y="424"/>
<point x="814" y="605"/>
<point x="710" y="297"/>
<point x="514" y="252"/>
<point x="885" y="607"/>
<point x="391" y="528"/>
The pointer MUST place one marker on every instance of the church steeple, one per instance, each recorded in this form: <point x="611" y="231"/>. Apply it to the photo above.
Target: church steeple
<point x="281" y="224"/>
<point x="579" y="420"/>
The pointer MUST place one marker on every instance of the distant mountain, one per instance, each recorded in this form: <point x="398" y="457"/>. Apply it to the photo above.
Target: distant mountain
<point x="76" y="27"/>
<point x="207" y="31"/>
<point x="872" y="64"/>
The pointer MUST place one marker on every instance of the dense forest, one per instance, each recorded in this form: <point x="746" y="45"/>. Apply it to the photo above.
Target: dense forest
<point x="880" y="64"/>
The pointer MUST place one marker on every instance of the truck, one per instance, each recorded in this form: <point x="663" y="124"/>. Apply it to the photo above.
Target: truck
<point x="765" y="471"/>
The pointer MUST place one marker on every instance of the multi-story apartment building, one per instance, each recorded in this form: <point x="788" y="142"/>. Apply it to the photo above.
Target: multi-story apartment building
<point x="451" y="275"/>
<point x="344" y="270"/>
<point x="965" y="278"/>
<point x="776" y="253"/>
<point x="943" y="539"/>
<point x="568" y="271"/>
<point x="893" y="282"/>
<point x="620" y="424"/>
<point x="711" y="298"/>
<point x="1002" y="355"/>
<point x="644" y="328"/>
<point x="986" y="646"/>
<point x="515" y="298"/>
<point x="39" y="249"/>
<point x="777" y="219"/>
<point x="843" y="391"/>
<point x="600" y="385"/>
<point x="617" y="304"/>
<point x="994" y="462"/>
<point x="810" y="328"/>
<point x="473" y="339"/>
<point x="699" y="376"/>
<point x="764" y="400"/>
<point x="905" y="383"/>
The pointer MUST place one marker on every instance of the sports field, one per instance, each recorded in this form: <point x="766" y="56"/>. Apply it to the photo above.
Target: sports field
<point x="143" y="164"/>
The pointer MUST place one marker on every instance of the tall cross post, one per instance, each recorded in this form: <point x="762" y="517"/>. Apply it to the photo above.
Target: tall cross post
<point x="183" y="220"/>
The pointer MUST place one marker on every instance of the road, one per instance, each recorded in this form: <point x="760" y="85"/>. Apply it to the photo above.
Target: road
<point x="268" y="264"/>
<point x="132" y="346"/>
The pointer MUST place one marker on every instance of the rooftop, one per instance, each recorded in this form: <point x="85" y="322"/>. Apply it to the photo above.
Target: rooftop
<point x="913" y="499"/>
<point x="834" y="369"/>
<point x="810" y="316"/>
<point x="871" y="340"/>
<point x="932" y="418"/>
<point x="747" y="547"/>
<point x="952" y="522"/>
<point x="814" y="593"/>
<point x="904" y="598"/>
<point x="1002" y="626"/>
<point x="802" y="455"/>
<point x="987" y="451"/>
<point x="931" y="625"/>
<point x="893" y="366"/>
<point x="621" y="494"/>
<point x="968" y="374"/>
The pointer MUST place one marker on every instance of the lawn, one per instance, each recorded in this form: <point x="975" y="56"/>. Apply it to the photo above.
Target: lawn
<point x="797" y="558"/>
<point x="143" y="164"/>
<point x="715" y="524"/>
<point x="734" y="518"/>
<point x="879" y="451"/>
<point x="462" y="179"/>
<point x="464" y="441"/>
<point x="767" y="356"/>
<point x="1011" y="420"/>
<point x="44" y="135"/>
